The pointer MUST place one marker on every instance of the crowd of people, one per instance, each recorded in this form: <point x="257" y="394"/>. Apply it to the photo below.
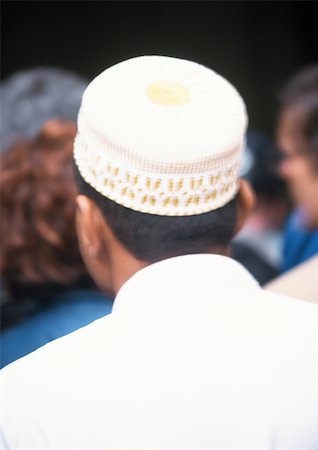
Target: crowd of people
<point x="152" y="227"/>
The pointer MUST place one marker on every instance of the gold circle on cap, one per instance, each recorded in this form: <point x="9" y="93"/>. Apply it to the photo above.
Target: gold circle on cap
<point x="167" y="93"/>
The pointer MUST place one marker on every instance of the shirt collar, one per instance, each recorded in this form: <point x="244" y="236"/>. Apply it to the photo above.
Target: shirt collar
<point x="183" y="280"/>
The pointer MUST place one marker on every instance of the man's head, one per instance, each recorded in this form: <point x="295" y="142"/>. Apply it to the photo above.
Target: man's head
<point x="298" y="139"/>
<point x="157" y="154"/>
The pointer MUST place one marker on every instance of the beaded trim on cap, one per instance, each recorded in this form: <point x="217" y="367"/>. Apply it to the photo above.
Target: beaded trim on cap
<point x="168" y="194"/>
<point x="164" y="183"/>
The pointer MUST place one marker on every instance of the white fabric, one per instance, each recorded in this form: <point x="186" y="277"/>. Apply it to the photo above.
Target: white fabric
<point x="161" y="135"/>
<point x="194" y="356"/>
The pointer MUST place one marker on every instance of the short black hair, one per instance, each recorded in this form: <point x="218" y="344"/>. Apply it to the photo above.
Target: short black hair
<point x="151" y="237"/>
<point x="302" y="89"/>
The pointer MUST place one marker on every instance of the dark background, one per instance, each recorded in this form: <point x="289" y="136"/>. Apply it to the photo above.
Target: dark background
<point x="257" y="45"/>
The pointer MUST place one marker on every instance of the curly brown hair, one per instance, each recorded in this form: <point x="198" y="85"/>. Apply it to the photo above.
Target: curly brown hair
<point x="37" y="197"/>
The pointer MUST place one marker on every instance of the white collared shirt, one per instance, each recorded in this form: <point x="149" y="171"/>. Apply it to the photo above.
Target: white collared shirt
<point x="194" y="356"/>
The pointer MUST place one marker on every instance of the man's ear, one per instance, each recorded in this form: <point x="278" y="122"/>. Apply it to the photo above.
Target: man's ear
<point x="245" y="203"/>
<point x="93" y="236"/>
<point x="88" y="226"/>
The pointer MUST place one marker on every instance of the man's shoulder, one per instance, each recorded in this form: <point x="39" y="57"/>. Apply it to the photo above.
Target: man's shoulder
<point x="279" y="303"/>
<point x="289" y="321"/>
<point x="64" y="351"/>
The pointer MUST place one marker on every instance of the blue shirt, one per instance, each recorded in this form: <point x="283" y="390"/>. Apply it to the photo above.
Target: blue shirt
<point x="70" y="311"/>
<point x="299" y="243"/>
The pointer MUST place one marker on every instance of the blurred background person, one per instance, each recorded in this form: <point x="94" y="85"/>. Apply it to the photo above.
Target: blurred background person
<point x="297" y="136"/>
<point x="48" y="291"/>
<point x="259" y="245"/>
<point x="38" y="275"/>
<point x="31" y="97"/>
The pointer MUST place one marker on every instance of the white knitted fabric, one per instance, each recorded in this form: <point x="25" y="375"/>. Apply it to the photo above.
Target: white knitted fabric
<point x="161" y="135"/>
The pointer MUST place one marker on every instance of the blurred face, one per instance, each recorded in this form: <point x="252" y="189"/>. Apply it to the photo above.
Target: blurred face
<point x="297" y="165"/>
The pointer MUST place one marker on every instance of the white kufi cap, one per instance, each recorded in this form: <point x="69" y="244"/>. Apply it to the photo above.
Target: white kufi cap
<point x="161" y="135"/>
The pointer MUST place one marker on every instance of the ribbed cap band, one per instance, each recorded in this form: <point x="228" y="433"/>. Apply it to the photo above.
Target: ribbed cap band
<point x="161" y="135"/>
